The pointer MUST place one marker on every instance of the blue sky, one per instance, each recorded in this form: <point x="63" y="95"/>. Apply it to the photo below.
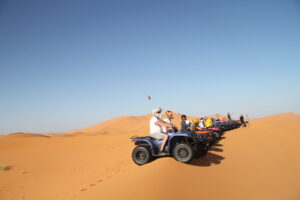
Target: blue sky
<point x="70" y="64"/>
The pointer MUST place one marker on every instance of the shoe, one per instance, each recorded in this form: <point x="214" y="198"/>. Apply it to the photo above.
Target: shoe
<point x="163" y="153"/>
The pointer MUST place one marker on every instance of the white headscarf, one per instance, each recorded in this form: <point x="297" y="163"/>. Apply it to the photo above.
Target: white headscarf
<point x="157" y="112"/>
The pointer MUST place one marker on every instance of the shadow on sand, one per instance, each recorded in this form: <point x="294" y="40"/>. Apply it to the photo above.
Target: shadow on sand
<point x="215" y="149"/>
<point x="210" y="158"/>
<point x="207" y="160"/>
<point x="218" y="145"/>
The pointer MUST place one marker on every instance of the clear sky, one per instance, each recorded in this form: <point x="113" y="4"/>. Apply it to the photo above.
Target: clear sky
<point x="70" y="64"/>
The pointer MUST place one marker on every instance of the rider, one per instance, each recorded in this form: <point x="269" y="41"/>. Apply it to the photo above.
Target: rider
<point x="169" y="116"/>
<point x="194" y="124"/>
<point x="243" y="121"/>
<point x="208" y="123"/>
<point x="156" y="124"/>
<point x="201" y="123"/>
<point x="184" y="123"/>
<point x="229" y="116"/>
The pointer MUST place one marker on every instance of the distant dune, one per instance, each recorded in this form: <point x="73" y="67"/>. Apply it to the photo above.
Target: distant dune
<point x="125" y="124"/>
<point x="291" y="118"/>
<point x="258" y="162"/>
<point x="22" y="134"/>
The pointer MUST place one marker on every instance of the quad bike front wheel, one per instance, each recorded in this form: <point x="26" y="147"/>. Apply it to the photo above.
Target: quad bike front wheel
<point x="141" y="155"/>
<point x="183" y="153"/>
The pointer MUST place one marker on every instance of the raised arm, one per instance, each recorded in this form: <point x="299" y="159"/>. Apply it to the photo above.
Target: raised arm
<point x="162" y="123"/>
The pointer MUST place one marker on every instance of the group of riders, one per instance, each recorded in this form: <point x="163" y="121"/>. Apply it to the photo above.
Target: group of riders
<point x="160" y="127"/>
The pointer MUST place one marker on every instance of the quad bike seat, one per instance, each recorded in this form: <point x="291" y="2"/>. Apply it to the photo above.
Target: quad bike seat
<point x="201" y="132"/>
<point x="150" y="138"/>
<point x="154" y="139"/>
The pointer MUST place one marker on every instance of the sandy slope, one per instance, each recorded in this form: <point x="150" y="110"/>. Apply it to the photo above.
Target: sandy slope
<point x="125" y="124"/>
<point x="258" y="162"/>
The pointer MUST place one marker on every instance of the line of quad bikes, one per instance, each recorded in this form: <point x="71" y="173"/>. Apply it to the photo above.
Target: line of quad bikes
<point x="184" y="146"/>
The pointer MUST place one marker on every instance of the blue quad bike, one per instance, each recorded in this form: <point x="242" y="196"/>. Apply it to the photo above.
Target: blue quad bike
<point x="183" y="146"/>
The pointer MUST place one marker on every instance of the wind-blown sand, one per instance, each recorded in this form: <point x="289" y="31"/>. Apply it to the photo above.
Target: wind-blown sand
<point x="258" y="162"/>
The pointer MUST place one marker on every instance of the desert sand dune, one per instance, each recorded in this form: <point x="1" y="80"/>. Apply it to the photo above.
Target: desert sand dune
<point x="257" y="162"/>
<point x="124" y="124"/>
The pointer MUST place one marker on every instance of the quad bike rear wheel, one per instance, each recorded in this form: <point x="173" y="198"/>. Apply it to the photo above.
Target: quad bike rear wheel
<point x="183" y="153"/>
<point x="200" y="150"/>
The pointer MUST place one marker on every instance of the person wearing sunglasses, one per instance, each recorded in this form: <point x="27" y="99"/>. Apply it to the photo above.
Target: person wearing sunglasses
<point x="156" y="127"/>
<point x="168" y="119"/>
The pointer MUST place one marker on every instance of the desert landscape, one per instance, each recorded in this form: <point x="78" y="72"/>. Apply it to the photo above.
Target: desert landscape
<point x="257" y="162"/>
<point x="82" y="82"/>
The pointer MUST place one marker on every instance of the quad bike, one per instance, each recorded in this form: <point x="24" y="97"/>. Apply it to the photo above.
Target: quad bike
<point x="183" y="146"/>
<point x="212" y="135"/>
